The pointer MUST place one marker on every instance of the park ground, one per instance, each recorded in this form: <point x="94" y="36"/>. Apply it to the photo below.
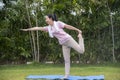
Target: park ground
<point x="111" y="71"/>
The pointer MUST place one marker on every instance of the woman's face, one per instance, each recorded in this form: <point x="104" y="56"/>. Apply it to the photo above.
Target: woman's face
<point x="48" y="20"/>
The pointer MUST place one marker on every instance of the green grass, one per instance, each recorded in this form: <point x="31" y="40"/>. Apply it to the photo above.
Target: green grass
<point x="20" y="72"/>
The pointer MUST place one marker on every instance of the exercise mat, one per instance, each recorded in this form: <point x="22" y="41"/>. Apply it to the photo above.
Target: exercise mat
<point x="59" y="77"/>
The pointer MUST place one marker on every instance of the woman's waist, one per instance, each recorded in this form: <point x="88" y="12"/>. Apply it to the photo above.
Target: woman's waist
<point x="63" y="40"/>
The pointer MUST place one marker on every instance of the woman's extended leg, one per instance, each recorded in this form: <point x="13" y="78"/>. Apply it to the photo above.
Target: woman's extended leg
<point x="66" y="55"/>
<point x="79" y="47"/>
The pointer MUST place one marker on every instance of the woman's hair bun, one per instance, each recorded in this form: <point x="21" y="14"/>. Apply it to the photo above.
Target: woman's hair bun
<point x="53" y="16"/>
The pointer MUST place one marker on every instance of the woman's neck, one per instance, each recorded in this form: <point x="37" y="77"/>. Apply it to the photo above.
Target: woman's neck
<point x="52" y="23"/>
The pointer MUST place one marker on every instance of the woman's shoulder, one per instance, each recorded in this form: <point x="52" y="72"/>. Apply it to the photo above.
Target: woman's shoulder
<point x="60" y="22"/>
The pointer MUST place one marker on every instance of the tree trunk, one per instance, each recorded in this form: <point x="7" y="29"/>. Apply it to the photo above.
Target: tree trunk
<point x="113" y="42"/>
<point x="38" y="56"/>
<point x="111" y="21"/>
<point x="32" y="33"/>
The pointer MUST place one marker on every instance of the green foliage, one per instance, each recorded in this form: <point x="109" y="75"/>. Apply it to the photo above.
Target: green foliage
<point x="92" y="17"/>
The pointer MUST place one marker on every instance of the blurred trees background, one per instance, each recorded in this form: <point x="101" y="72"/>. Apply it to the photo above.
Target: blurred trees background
<point x="99" y="21"/>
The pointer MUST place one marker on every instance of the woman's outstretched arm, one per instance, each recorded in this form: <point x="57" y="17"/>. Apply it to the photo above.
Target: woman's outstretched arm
<point x="34" y="29"/>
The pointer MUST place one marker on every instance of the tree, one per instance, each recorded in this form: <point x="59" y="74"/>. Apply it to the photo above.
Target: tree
<point x="91" y="16"/>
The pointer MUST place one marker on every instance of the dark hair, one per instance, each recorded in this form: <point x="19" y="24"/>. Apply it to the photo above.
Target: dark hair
<point x="53" y="17"/>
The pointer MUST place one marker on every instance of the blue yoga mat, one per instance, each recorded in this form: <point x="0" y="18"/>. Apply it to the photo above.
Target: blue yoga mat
<point x="58" y="77"/>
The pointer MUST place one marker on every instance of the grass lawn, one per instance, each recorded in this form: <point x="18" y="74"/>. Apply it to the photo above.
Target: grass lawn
<point x="20" y="72"/>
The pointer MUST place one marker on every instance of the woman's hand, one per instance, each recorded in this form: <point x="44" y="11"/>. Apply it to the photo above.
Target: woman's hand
<point x="79" y="31"/>
<point x="24" y="29"/>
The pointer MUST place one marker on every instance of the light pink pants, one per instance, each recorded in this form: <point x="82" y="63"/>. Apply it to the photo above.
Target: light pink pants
<point x="66" y="47"/>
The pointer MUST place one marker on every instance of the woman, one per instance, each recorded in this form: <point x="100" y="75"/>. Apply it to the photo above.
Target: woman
<point x="55" y="29"/>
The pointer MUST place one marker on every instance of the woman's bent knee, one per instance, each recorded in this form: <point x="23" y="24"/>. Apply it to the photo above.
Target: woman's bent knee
<point x="81" y="51"/>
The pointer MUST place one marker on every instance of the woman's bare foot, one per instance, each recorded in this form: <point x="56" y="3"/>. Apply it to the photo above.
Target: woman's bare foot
<point x="79" y="35"/>
<point x="65" y="77"/>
